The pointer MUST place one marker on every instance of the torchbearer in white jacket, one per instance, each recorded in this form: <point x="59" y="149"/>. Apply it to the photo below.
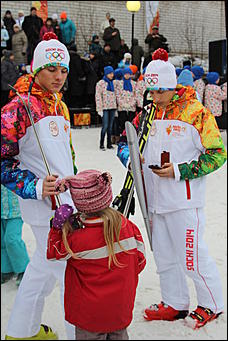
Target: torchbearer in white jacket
<point x="186" y="132"/>
<point x="24" y="172"/>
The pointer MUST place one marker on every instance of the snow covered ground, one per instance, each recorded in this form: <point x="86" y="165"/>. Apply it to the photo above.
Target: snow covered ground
<point x="88" y="155"/>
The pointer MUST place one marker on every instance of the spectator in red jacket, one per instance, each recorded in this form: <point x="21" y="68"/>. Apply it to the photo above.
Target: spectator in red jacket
<point x="105" y="254"/>
<point x="47" y="27"/>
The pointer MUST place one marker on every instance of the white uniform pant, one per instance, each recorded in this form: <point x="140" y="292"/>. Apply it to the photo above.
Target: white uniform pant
<point x="179" y="250"/>
<point x="38" y="282"/>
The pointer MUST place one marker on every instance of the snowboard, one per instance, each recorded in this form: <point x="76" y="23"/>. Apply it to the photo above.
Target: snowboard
<point x="138" y="178"/>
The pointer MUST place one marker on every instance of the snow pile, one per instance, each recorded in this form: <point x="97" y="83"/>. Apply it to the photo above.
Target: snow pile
<point x="178" y="60"/>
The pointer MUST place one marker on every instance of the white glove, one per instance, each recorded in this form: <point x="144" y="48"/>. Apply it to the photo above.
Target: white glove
<point x="100" y="113"/>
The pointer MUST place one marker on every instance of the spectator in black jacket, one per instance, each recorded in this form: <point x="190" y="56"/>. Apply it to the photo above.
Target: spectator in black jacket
<point x="9" y="75"/>
<point x="94" y="72"/>
<point x="123" y="49"/>
<point x="137" y="53"/>
<point x="8" y="23"/>
<point x="112" y="36"/>
<point x="31" y="26"/>
<point x="108" y="58"/>
<point x="76" y="80"/>
<point x="156" y="40"/>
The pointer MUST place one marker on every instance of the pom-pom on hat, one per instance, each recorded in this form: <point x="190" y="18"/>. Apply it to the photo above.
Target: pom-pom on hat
<point x="160" y="73"/>
<point x="50" y="52"/>
<point x="90" y="190"/>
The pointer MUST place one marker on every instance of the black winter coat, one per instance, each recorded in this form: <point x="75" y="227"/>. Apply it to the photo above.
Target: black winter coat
<point x="108" y="59"/>
<point x="32" y="25"/>
<point x="137" y="53"/>
<point x="155" y="42"/>
<point x="9" y="74"/>
<point x="123" y="49"/>
<point x="9" y="22"/>
<point x="114" y="41"/>
<point x="76" y="76"/>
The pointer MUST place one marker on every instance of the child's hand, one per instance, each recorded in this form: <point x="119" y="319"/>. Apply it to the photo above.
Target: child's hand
<point x="61" y="186"/>
<point x="62" y="213"/>
<point x="49" y="186"/>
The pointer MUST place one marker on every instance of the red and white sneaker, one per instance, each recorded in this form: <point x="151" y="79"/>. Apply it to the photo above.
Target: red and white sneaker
<point x="199" y="317"/>
<point x="163" y="311"/>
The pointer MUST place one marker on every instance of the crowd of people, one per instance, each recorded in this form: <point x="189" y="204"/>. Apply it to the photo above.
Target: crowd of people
<point x="20" y="36"/>
<point x="98" y="262"/>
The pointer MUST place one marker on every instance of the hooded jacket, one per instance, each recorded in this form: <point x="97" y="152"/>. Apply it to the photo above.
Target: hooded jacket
<point x="68" y="31"/>
<point x="189" y="132"/>
<point x="22" y="167"/>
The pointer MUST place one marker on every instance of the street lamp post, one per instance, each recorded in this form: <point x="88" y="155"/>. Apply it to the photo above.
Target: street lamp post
<point x="133" y="7"/>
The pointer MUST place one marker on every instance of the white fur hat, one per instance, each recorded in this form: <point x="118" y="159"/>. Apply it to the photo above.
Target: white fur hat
<point x="50" y="53"/>
<point x="160" y="74"/>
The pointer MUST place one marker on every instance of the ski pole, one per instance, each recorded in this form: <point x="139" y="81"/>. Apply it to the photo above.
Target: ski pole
<point x="37" y="137"/>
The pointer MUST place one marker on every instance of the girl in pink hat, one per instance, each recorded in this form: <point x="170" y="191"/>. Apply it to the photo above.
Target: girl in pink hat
<point x="105" y="254"/>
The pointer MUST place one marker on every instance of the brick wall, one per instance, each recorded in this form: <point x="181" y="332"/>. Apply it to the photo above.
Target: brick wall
<point x="187" y="25"/>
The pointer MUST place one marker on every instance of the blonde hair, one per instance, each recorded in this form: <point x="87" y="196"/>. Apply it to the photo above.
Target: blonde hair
<point x="112" y="220"/>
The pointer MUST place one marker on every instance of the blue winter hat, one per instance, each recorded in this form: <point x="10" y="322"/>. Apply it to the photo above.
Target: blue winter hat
<point x="127" y="70"/>
<point x="178" y="71"/>
<point x="118" y="74"/>
<point x="185" y="78"/>
<point x="212" y="77"/>
<point x="198" y="72"/>
<point x="108" y="69"/>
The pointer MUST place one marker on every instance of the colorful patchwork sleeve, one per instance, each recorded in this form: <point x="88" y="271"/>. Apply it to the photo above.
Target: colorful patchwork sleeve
<point x="215" y="154"/>
<point x="21" y="182"/>
<point x="67" y="117"/>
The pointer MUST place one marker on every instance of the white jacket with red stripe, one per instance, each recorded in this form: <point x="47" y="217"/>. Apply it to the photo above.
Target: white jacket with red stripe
<point x="99" y="299"/>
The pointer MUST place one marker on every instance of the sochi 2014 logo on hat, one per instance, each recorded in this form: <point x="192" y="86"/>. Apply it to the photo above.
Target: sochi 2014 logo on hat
<point x="55" y="55"/>
<point x="152" y="78"/>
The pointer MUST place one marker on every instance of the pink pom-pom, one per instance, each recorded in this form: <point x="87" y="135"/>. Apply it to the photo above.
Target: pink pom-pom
<point x="49" y="36"/>
<point x="160" y="54"/>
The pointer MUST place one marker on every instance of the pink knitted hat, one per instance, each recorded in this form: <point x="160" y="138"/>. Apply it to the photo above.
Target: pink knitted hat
<point x="90" y="190"/>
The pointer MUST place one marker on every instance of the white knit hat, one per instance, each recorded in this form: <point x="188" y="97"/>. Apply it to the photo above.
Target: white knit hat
<point x="54" y="16"/>
<point x="160" y="74"/>
<point x="50" y="53"/>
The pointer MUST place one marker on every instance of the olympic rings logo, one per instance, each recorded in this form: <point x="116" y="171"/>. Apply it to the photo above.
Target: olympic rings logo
<point x="152" y="80"/>
<point x="55" y="56"/>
